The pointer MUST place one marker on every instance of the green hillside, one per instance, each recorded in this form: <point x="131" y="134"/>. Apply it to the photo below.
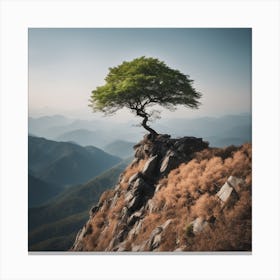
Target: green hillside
<point x="64" y="163"/>
<point x="65" y="214"/>
<point x="39" y="191"/>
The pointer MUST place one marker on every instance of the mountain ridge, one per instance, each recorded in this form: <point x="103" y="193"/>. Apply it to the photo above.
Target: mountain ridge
<point x="65" y="163"/>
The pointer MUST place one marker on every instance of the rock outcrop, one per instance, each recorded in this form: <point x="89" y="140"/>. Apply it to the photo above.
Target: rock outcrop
<point x="152" y="201"/>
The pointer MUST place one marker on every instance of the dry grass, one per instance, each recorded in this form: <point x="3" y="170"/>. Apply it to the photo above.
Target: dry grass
<point x="188" y="192"/>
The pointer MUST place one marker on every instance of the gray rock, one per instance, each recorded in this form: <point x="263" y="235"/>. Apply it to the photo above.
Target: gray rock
<point x="150" y="206"/>
<point x="166" y="224"/>
<point x="149" y="168"/>
<point x="114" y="200"/>
<point x="169" y="162"/>
<point x="136" y="229"/>
<point x="124" y="213"/>
<point x="135" y="217"/>
<point x="227" y="194"/>
<point x="134" y="177"/>
<point x="139" y="248"/>
<point x="155" y="237"/>
<point x="199" y="224"/>
<point x="156" y="242"/>
<point x="120" y="237"/>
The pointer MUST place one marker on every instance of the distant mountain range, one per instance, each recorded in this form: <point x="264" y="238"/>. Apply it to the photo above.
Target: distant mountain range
<point x="85" y="137"/>
<point x="219" y="131"/>
<point x="64" y="163"/>
<point x="53" y="226"/>
<point x="120" y="148"/>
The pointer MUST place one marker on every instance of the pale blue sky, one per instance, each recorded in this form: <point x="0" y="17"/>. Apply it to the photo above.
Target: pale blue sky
<point x="65" y="65"/>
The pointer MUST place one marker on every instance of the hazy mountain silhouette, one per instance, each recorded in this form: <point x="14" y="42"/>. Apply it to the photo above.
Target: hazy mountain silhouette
<point x="219" y="131"/>
<point x="64" y="163"/>
<point x="85" y="137"/>
<point x="120" y="148"/>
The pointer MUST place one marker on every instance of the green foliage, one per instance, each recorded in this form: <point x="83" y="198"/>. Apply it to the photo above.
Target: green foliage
<point x="141" y="83"/>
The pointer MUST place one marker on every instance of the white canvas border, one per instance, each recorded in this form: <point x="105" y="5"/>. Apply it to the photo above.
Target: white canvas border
<point x="17" y="16"/>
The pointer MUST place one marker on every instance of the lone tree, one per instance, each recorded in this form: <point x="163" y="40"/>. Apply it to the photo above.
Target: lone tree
<point x="140" y="84"/>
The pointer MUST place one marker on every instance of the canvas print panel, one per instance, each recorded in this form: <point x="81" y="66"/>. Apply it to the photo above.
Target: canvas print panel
<point x="140" y="140"/>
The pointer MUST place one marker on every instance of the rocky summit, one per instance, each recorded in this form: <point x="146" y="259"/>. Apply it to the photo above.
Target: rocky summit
<point x="176" y="195"/>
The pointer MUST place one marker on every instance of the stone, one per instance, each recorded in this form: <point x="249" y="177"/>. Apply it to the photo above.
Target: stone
<point x="121" y="248"/>
<point x="114" y="200"/>
<point x="156" y="242"/>
<point x="88" y="230"/>
<point x="150" y="206"/>
<point x="139" y="248"/>
<point x="134" y="177"/>
<point x="138" y="193"/>
<point x="128" y="196"/>
<point x="155" y="237"/>
<point x="93" y="210"/>
<point x="134" y="162"/>
<point x="135" y="217"/>
<point x="169" y="162"/>
<point x="149" y="168"/>
<point x="235" y="182"/>
<point x="140" y="187"/>
<point x="124" y="212"/>
<point x="166" y="224"/>
<point x="199" y="225"/>
<point x="121" y="236"/>
<point x="136" y="229"/>
<point x="227" y="194"/>
<point x="180" y="249"/>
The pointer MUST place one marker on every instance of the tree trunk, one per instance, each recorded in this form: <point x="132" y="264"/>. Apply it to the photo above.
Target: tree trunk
<point x="144" y="124"/>
<point x="144" y="115"/>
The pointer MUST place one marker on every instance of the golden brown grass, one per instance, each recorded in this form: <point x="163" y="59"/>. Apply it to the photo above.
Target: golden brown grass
<point x="188" y="192"/>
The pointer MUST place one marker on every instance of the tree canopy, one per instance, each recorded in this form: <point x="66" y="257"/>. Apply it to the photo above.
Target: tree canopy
<point x="142" y="83"/>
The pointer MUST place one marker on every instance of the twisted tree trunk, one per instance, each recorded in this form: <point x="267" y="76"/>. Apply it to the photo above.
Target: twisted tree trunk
<point x="145" y="117"/>
<point x="144" y="124"/>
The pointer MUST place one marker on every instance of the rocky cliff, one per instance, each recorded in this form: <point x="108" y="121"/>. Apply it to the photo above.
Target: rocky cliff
<point x="176" y="195"/>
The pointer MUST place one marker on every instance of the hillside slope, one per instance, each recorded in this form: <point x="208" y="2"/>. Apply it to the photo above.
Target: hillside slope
<point x="64" y="163"/>
<point x="52" y="227"/>
<point x="39" y="191"/>
<point x="176" y="195"/>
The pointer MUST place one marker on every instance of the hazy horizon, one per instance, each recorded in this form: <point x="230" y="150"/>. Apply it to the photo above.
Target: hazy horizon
<point x="66" y="64"/>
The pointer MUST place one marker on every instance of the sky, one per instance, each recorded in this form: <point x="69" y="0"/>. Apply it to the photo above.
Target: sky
<point x="66" y="64"/>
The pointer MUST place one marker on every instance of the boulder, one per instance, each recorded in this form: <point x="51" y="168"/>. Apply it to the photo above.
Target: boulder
<point x="155" y="237"/>
<point x="133" y="178"/>
<point x="235" y="182"/>
<point x="199" y="225"/>
<point x="134" y="218"/>
<point x="169" y="162"/>
<point x="149" y="168"/>
<point x="228" y="194"/>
